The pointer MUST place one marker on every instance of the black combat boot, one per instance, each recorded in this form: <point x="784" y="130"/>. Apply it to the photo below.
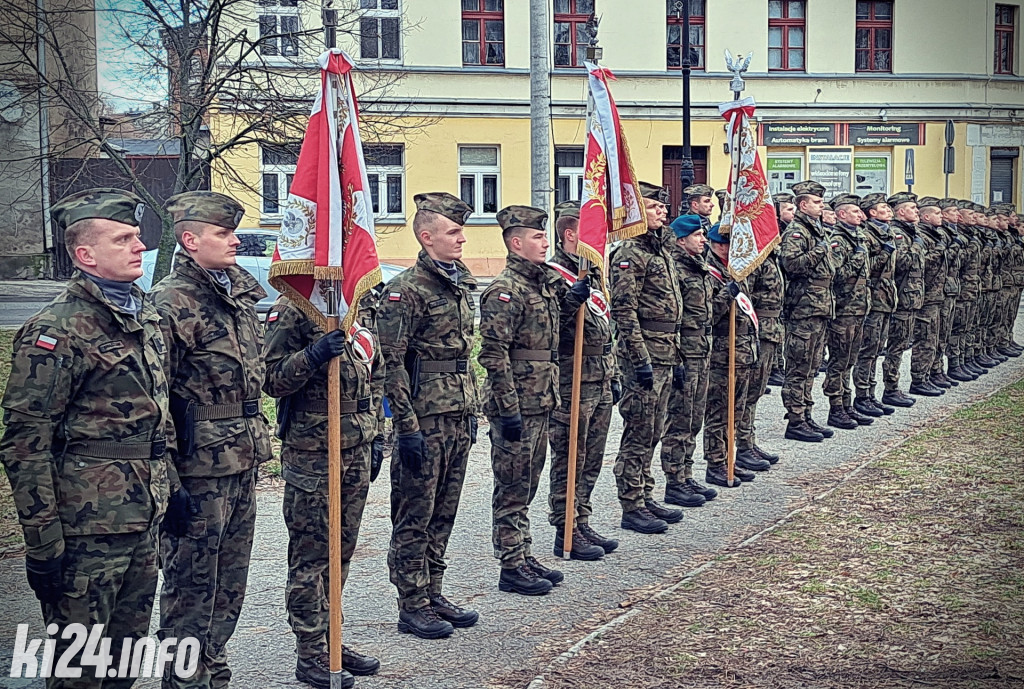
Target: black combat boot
<point x="924" y="389"/>
<point x="717" y="474"/>
<point x="939" y="381"/>
<point x="799" y="430"/>
<point x="669" y="515"/>
<point x="642" y="521"/>
<point x="582" y="548"/>
<point x="453" y="614"/>
<point x="746" y="459"/>
<point x="838" y="418"/>
<point x="864" y="406"/>
<point x="986" y="361"/>
<point x="357" y="663"/>
<point x="815" y="426"/>
<point x="897" y="399"/>
<point x="1008" y="352"/>
<point x="683" y="495"/>
<point x="424" y="623"/>
<point x="523" y="580"/>
<point x="861" y="419"/>
<point x="943" y="376"/>
<point x="316" y="671"/>
<point x="959" y="373"/>
<point x="552" y="575"/>
<point x="708" y="493"/>
<point x="769" y="457"/>
<point x="607" y="544"/>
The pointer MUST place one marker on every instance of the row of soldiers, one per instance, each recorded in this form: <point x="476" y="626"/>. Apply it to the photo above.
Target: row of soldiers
<point x="134" y="427"/>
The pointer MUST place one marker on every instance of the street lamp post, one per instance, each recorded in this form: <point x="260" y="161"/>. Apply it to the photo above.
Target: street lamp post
<point x="686" y="165"/>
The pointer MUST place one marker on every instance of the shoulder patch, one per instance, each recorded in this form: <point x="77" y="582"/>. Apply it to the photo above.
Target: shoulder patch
<point x="899" y="236"/>
<point x="395" y="296"/>
<point x="274" y="315"/>
<point x="504" y="296"/>
<point x="624" y="265"/>
<point x="796" y="235"/>
<point x="835" y="245"/>
<point x="46" y="342"/>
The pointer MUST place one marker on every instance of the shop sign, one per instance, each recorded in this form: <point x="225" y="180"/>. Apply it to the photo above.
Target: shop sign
<point x="798" y="134"/>
<point x="832" y="168"/>
<point x="885" y="134"/>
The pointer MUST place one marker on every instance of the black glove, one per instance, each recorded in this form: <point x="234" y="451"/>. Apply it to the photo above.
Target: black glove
<point x="734" y="289"/>
<point x="512" y="428"/>
<point x="616" y="391"/>
<point x="181" y="507"/>
<point x="376" y="457"/>
<point x="46" y="578"/>
<point x="577" y="294"/>
<point x="889" y="247"/>
<point x="326" y="348"/>
<point x="644" y="376"/>
<point x="473" y="426"/>
<point x="679" y="377"/>
<point x="412" y="450"/>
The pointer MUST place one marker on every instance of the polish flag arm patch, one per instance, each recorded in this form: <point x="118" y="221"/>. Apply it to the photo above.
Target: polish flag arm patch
<point x="624" y="265"/>
<point x="46" y="342"/>
<point x="274" y="315"/>
<point x="505" y="297"/>
<point x="395" y="296"/>
<point x="796" y="235"/>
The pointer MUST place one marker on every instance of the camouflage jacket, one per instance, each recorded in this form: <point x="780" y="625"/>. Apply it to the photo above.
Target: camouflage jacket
<point x="970" y="265"/>
<point x="1017" y="261"/>
<point x="985" y="258"/>
<point x="909" y="275"/>
<point x="597" y="331"/>
<point x="850" y="284"/>
<point x="84" y="372"/>
<point x="936" y="264"/>
<point x="696" y="287"/>
<point x="290" y="375"/>
<point x="767" y="293"/>
<point x="646" y="305"/>
<point x="721" y="306"/>
<point x="425" y="318"/>
<point x="806" y="259"/>
<point x="216" y="358"/>
<point x="520" y="312"/>
<point x="998" y="249"/>
<point x="954" y="255"/>
<point x="883" y="267"/>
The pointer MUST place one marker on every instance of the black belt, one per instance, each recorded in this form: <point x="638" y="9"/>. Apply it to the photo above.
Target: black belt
<point x="769" y="313"/>
<point x="819" y="282"/>
<point x="569" y="349"/>
<point x="854" y="281"/>
<point x="741" y="329"/>
<point x="114" y="449"/>
<point x="234" y="410"/>
<point x="659" y="326"/>
<point x="533" y="354"/>
<point x="320" y="406"/>
<point x="444" y="366"/>
<point x="693" y="332"/>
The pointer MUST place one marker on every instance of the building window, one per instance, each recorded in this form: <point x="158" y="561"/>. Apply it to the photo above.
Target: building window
<point x="479" y="176"/>
<point x="675" y="35"/>
<point x="569" y="171"/>
<point x="874" y="36"/>
<point x="571" y="37"/>
<point x="277" y="168"/>
<point x="786" y="35"/>
<point x="1005" y="38"/>
<point x="279" y="27"/>
<point x="385" y="169"/>
<point x="379" y="30"/>
<point x="483" y="32"/>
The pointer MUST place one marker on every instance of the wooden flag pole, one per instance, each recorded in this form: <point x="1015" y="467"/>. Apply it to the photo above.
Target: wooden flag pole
<point x="574" y="427"/>
<point x="334" y="522"/>
<point x="730" y="447"/>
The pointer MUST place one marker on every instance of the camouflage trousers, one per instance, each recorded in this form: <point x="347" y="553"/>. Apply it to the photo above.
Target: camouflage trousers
<point x="1010" y="306"/>
<point x="305" y="509"/>
<point x="716" y="414"/>
<point x="972" y="340"/>
<point x="685" y="419"/>
<point x="644" y="416"/>
<point x="844" y="339"/>
<point x="423" y="508"/>
<point x="1014" y="311"/>
<point x="926" y="342"/>
<point x="517" y="468"/>
<point x="108" y="580"/>
<point x="805" y="347"/>
<point x="946" y="310"/>
<point x="746" y="431"/>
<point x="205" y="572"/>
<point x="986" y="319"/>
<point x="957" y="349"/>
<point x="591" y="438"/>
<point x="874" y="334"/>
<point x="901" y="335"/>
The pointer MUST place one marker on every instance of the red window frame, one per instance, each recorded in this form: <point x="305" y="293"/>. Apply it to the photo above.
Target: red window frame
<point x="574" y="19"/>
<point x="481" y="16"/>
<point x="872" y="24"/>
<point x="1006" y="30"/>
<point x="785" y="22"/>
<point x="695" y="20"/>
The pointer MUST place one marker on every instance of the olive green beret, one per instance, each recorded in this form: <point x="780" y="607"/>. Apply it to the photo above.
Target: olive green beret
<point x="522" y="216"/>
<point x="948" y="203"/>
<point x="651" y="191"/>
<point x="926" y="201"/>
<point x="1005" y="208"/>
<point x="443" y="203"/>
<point x="570" y="208"/>
<point x="871" y="200"/>
<point x="844" y="200"/>
<point x="110" y="204"/>
<point x="808" y="187"/>
<point x="963" y="204"/>
<point x="901" y="197"/>
<point x="782" y="197"/>
<point x="205" y="207"/>
<point x="696" y="191"/>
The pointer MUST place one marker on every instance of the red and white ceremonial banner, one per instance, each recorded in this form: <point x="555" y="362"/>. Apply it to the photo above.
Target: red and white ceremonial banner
<point x="327" y="231"/>
<point x="749" y="215"/>
<point x="611" y="207"/>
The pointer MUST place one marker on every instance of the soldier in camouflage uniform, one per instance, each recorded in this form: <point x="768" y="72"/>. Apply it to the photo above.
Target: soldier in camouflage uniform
<point x="878" y="239"/>
<point x="809" y="304"/>
<point x="957" y="255"/>
<point x="86" y="427"/>
<point x="990" y="282"/>
<point x="785" y="211"/>
<point x="207" y="308"/>
<point x="1016" y="275"/>
<point x="965" y="317"/>
<point x="928" y="319"/>
<point x="698" y="201"/>
<point x="687" y="402"/>
<point x="519" y="322"/>
<point x="1010" y="268"/>
<point x="600" y="390"/>
<point x="853" y="303"/>
<point x="909" y="277"/>
<point x="298" y="353"/>
<point x="647" y="309"/>
<point x="426" y="328"/>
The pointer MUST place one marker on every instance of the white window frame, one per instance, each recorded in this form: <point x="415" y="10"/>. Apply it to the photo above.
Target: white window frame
<point x="383" y="172"/>
<point x="379" y="14"/>
<point x="478" y="172"/>
<point x="282" y="172"/>
<point x="273" y="8"/>
<point x="575" y="177"/>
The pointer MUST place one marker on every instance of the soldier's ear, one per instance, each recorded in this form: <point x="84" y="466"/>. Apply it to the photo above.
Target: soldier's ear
<point x="85" y="255"/>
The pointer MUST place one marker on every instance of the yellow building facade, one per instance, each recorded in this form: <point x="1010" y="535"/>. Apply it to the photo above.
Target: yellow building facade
<point x="845" y="89"/>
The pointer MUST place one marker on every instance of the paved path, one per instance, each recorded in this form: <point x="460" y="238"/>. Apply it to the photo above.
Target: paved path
<point x="514" y="631"/>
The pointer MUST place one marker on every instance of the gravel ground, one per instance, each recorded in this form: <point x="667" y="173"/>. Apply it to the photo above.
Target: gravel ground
<point x="518" y="634"/>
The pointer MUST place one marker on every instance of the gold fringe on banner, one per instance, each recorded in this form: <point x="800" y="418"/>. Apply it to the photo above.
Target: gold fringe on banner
<point x="759" y="260"/>
<point x="365" y="284"/>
